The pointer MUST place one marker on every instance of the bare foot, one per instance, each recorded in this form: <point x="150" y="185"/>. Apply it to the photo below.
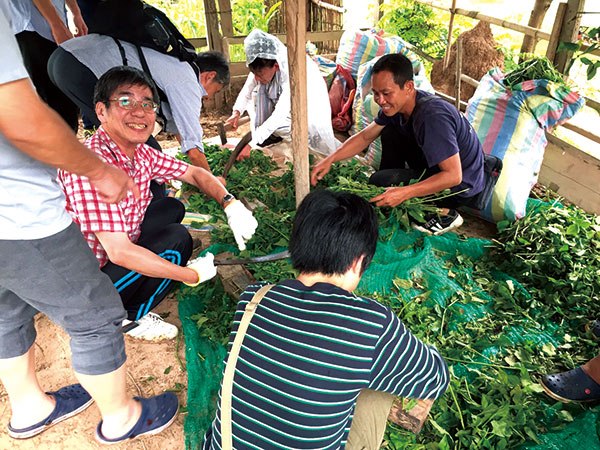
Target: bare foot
<point x="592" y="368"/>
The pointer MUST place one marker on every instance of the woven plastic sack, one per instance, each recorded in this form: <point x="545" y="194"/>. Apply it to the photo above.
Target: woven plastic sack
<point x="358" y="47"/>
<point x="511" y="125"/>
<point x="364" y="109"/>
<point x="326" y="66"/>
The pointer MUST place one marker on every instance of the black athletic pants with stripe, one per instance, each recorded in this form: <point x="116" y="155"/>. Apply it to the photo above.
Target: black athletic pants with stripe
<point x="163" y="234"/>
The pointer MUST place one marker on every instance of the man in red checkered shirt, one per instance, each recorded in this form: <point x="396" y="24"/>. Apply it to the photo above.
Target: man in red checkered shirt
<point x="141" y="244"/>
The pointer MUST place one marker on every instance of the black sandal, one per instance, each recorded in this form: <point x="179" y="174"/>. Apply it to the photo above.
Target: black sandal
<point x="572" y="386"/>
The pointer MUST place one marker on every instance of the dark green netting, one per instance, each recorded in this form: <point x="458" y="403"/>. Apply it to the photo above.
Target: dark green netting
<point x="436" y="273"/>
<point x="579" y="434"/>
<point x="204" y="358"/>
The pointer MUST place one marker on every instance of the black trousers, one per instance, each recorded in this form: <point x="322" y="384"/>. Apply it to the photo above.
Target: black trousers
<point x="402" y="160"/>
<point x="78" y="82"/>
<point x="36" y="52"/>
<point x="163" y="234"/>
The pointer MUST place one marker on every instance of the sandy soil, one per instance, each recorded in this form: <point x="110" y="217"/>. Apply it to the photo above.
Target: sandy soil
<point x="146" y="366"/>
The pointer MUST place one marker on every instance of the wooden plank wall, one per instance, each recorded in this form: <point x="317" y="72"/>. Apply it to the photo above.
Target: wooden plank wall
<point x="571" y="173"/>
<point x="322" y="19"/>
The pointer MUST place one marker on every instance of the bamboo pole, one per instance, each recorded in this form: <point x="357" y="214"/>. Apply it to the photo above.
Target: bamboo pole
<point x="556" y="28"/>
<point x="535" y="20"/>
<point x="457" y="84"/>
<point x="588" y="134"/>
<point x="449" y="43"/>
<point x="295" y="14"/>
<point x="329" y="6"/>
<point x="467" y="79"/>
<point x="527" y="30"/>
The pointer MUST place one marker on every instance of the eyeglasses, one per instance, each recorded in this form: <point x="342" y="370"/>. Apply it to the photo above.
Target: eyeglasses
<point x="125" y="102"/>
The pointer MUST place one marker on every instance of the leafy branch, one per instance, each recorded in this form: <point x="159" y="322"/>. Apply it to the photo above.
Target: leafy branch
<point x="593" y="35"/>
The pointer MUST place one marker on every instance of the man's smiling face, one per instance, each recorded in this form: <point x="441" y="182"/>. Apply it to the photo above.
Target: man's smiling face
<point x="389" y="96"/>
<point x="128" y="119"/>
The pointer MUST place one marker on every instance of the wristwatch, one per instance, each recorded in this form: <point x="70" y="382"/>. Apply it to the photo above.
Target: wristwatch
<point x="227" y="198"/>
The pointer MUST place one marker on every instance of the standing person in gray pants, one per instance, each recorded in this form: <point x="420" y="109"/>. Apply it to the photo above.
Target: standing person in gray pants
<point x="47" y="267"/>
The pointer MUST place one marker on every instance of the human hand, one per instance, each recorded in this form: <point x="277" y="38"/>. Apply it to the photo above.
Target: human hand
<point x="241" y="221"/>
<point x="61" y="33"/>
<point x="392" y="196"/>
<point x="82" y="28"/>
<point x="204" y="266"/>
<point x="233" y="120"/>
<point x="319" y="171"/>
<point x="113" y="184"/>
<point x="244" y="154"/>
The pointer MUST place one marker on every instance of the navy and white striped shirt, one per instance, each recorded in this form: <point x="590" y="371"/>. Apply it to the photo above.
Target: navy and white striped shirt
<point x="308" y="353"/>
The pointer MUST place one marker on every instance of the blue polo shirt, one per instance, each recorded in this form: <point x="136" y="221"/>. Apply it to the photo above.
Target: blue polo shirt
<point x="441" y="131"/>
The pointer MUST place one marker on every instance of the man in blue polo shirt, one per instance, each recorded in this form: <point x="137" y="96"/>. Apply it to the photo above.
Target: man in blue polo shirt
<point x="423" y="137"/>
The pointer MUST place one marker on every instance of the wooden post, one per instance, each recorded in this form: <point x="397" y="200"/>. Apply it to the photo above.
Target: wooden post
<point x="295" y="16"/>
<point x="535" y="20"/>
<point x="226" y="26"/>
<point x="556" y="28"/>
<point x="458" y="72"/>
<point x="450" y="26"/>
<point x="226" y="17"/>
<point x="212" y="26"/>
<point x="569" y="32"/>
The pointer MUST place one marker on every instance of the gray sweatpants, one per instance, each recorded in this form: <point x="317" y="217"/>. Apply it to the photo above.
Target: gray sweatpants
<point x="60" y="277"/>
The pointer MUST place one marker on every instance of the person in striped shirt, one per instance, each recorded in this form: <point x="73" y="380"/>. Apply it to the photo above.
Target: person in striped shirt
<point x="319" y="366"/>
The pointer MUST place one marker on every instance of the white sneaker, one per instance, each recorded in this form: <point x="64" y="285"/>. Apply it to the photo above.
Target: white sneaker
<point x="151" y="328"/>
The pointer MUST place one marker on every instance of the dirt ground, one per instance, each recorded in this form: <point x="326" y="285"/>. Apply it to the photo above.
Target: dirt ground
<point x="152" y="368"/>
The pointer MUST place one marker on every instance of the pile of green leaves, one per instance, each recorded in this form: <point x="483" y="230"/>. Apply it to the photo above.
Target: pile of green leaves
<point x="534" y="68"/>
<point x="496" y="339"/>
<point x="271" y="197"/>
<point x="497" y="330"/>
<point x="556" y="251"/>
<point x="214" y="322"/>
<point x="352" y="177"/>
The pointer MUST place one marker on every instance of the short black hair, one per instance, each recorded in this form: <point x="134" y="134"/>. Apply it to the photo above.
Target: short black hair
<point x="331" y="230"/>
<point x="118" y="76"/>
<point x="396" y="63"/>
<point x="209" y="61"/>
<point x="261" y="63"/>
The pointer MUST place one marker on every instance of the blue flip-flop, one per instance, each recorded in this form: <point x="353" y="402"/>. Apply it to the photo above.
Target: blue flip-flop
<point x="157" y="414"/>
<point x="70" y="400"/>
<point x="572" y="386"/>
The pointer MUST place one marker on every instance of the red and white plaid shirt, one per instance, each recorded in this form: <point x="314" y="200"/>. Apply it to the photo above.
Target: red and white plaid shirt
<point x="92" y="214"/>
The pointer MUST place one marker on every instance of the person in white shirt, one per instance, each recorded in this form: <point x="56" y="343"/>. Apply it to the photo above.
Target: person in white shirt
<point x="266" y="97"/>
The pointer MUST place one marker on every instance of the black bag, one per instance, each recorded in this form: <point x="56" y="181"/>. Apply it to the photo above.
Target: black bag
<point x="142" y="25"/>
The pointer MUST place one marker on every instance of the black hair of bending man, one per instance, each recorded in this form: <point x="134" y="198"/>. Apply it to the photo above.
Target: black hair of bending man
<point x="214" y="61"/>
<point x="332" y="230"/>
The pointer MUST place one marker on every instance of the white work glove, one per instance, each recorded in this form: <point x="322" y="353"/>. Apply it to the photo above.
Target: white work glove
<point x="241" y="221"/>
<point x="205" y="268"/>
